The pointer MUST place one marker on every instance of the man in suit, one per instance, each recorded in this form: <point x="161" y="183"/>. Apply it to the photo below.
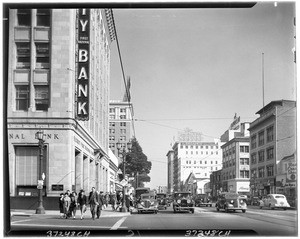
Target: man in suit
<point x="93" y="201"/>
<point x="101" y="202"/>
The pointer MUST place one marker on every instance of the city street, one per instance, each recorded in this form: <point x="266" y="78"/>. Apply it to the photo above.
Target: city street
<point x="255" y="222"/>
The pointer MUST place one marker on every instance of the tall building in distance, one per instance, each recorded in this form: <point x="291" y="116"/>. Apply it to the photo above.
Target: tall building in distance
<point x="58" y="82"/>
<point x="170" y="183"/>
<point x="235" y="150"/>
<point x="192" y="155"/>
<point x="120" y="121"/>
<point x="272" y="143"/>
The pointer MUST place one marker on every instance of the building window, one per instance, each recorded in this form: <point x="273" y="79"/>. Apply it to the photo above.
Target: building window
<point x="112" y="110"/>
<point x="112" y="124"/>
<point x="111" y="145"/>
<point x="253" y="158"/>
<point x="112" y="117"/>
<point x="244" y="174"/>
<point x="270" y="171"/>
<point x="261" y="156"/>
<point x="43" y="17"/>
<point x="270" y="134"/>
<point x="181" y="146"/>
<point x="122" y="138"/>
<point x="122" y="116"/>
<point x="22" y="97"/>
<point x="200" y="162"/>
<point x="191" y="152"/>
<point x="206" y="147"/>
<point x="42" y="55"/>
<point x="27" y="165"/>
<point x="123" y="131"/>
<point x="23" y="55"/>
<point x="253" y="142"/>
<point x="261" y="138"/>
<point x="270" y="153"/>
<point x="123" y="124"/>
<point x="186" y="147"/>
<point x="24" y="17"/>
<point x="111" y="137"/>
<point x="111" y="131"/>
<point x="244" y="149"/>
<point x="122" y="110"/>
<point x="42" y="97"/>
<point x="261" y="172"/>
<point x="205" y="162"/>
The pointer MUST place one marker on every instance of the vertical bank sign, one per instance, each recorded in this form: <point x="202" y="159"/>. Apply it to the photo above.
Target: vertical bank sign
<point x="83" y="64"/>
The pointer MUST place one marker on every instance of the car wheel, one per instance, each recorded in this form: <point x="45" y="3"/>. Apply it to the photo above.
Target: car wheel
<point x="174" y="211"/>
<point x="210" y="205"/>
<point x="226" y="209"/>
<point x="192" y="210"/>
<point x="243" y="210"/>
<point x="284" y="209"/>
<point x="218" y="209"/>
<point x="270" y="206"/>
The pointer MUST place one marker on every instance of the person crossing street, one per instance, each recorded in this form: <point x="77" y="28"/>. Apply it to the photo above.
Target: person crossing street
<point x="93" y="201"/>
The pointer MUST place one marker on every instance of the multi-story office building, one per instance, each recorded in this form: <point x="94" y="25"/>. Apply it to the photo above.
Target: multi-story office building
<point x="58" y="82"/>
<point x="120" y="124"/>
<point x="170" y="156"/>
<point x="197" y="157"/>
<point x="272" y="140"/>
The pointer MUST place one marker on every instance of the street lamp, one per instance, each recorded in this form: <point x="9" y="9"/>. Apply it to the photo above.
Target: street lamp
<point x="123" y="152"/>
<point x="40" y="136"/>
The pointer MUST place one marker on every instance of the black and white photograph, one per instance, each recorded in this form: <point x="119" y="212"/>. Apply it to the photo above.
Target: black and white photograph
<point x="149" y="119"/>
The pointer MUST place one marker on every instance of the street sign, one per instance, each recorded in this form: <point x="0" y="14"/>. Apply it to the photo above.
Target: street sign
<point x="40" y="182"/>
<point x="39" y="186"/>
<point x="123" y="182"/>
<point x="119" y="171"/>
<point x="131" y="178"/>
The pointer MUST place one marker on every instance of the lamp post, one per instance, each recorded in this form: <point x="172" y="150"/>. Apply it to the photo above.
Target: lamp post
<point x="40" y="209"/>
<point x="123" y="152"/>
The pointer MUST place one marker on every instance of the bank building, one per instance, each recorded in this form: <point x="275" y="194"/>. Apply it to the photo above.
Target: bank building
<point x="58" y="103"/>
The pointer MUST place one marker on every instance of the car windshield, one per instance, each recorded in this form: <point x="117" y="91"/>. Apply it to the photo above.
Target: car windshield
<point x="182" y="195"/>
<point x="279" y="196"/>
<point x="147" y="197"/>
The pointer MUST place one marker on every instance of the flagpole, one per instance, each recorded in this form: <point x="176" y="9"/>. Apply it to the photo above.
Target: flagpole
<point x="263" y="80"/>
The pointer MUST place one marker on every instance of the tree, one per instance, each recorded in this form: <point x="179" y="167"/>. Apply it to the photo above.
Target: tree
<point x="136" y="163"/>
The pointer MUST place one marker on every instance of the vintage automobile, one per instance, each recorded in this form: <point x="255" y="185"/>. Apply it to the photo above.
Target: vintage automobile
<point x="231" y="202"/>
<point x="245" y="198"/>
<point x="202" y="200"/>
<point x="138" y="193"/>
<point x="162" y="200"/>
<point x="275" y="201"/>
<point x="183" y="201"/>
<point x="147" y="203"/>
<point x="254" y="201"/>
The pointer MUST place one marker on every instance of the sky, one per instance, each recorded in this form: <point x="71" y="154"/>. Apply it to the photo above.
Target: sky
<point x="195" y="68"/>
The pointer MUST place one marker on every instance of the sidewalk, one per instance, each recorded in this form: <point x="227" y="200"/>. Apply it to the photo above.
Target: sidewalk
<point x="107" y="212"/>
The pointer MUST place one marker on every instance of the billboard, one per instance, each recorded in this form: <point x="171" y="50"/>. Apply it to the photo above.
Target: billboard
<point x="83" y="62"/>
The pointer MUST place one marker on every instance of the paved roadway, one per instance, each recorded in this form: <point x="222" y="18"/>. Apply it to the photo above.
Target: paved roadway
<point x="255" y="222"/>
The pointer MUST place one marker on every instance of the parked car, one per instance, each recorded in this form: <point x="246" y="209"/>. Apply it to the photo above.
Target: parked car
<point x="231" y="202"/>
<point x="147" y="203"/>
<point x="162" y="201"/>
<point x="275" y="201"/>
<point x="202" y="200"/>
<point x="183" y="202"/>
<point x="245" y="198"/>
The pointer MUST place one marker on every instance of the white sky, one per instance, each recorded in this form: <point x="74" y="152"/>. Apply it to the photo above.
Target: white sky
<point x="200" y="63"/>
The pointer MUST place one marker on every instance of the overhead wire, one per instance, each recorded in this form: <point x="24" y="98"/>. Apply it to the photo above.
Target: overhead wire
<point x="123" y="74"/>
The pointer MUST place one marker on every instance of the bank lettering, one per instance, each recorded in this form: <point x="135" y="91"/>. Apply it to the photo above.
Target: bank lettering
<point x="83" y="61"/>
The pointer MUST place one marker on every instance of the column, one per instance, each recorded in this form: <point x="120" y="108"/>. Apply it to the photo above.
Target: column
<point x="78" y="170"/>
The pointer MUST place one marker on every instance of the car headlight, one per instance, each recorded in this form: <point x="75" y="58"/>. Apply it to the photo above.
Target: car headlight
<point x="142" y="203"/>
<point x="231" y="201"/>
<point x="152" y="203"/>
<point x="188" y="201"/>
<point x="178" y="201"/>
<point x="242" y="201"/>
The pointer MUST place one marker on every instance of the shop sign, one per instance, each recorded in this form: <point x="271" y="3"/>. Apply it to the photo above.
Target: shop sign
<point x="57" y="187"/>
<point x="83" y="61"/>
<point x="235" y="125"/>
<point x="291" y="171"/>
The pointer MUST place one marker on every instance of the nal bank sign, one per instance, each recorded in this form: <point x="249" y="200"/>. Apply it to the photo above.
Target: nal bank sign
<point x="83" y="61"/>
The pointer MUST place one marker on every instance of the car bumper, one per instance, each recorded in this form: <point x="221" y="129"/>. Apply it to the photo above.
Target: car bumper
<point x="178" y="208"/>
<point x="150" y="209"/>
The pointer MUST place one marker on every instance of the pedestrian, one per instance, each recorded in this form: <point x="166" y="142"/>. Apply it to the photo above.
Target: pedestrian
<point x="106" y="199"/>
<point x="67" y="202"/>
<point x="93" y="201"/>
<point x="100" y="203"/>
<point x="61" y="205"/>
<point x="113" y="201"/>
<point x="119" y="200"/>
<point x="82" y="201"/>
<point x="73" y="205"/>
<point x="127" y="201"/>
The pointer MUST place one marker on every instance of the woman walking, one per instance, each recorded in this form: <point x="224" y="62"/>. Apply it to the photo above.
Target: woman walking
<point x="73" y="205"/>
<point x="82" y="201"/>
<point x="67" y="202"/>
<point x="61" y="205"/>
